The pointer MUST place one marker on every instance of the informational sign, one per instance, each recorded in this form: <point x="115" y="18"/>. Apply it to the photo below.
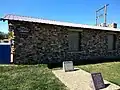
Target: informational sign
<point x="23" y="30"/>
<point x="68" y="66"/>
<point x="98" y="81"/>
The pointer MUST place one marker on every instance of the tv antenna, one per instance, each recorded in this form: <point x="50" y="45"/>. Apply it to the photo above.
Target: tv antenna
<point x="104" y="15"/>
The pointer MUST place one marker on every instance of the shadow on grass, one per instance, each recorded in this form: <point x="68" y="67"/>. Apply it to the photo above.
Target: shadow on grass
<point x="75" y="62"/>
<point x="106" y="85"/>
<point x="85" y="62"/>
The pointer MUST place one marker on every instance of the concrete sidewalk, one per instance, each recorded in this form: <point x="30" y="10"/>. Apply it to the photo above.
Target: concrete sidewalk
<point x="80" y="80"/>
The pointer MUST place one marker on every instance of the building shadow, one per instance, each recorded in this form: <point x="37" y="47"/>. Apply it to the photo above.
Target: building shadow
<point x="85" y="62"/>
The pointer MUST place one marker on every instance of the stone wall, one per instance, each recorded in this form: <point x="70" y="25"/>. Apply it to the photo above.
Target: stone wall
<point x="38" y="43"/>
<point x="94" y="44"/>
<point x="43" y="43"/>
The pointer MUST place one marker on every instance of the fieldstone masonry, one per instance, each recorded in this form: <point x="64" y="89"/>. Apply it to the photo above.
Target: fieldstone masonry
<point x="44" y="43"/>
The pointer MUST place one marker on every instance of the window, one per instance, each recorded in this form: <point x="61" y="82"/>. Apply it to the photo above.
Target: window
<point x="111" y="42"/>
<point x="74" y="39"/>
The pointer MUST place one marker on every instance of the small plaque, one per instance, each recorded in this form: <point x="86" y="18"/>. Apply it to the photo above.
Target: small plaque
<point x="68" y="66"/>
<point x="98" y="81"/>
<point x="23" y="30"/>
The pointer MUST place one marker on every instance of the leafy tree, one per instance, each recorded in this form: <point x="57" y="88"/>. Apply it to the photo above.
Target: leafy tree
<point x="3" y="35"/>
<point x="10" y="35"/>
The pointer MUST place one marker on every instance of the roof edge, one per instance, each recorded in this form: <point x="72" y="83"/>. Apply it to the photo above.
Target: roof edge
<point x="2" y="19"/>
<point x="54" y="22"/>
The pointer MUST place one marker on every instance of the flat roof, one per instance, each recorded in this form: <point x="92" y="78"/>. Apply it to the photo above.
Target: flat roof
<point x="53" y="22"/>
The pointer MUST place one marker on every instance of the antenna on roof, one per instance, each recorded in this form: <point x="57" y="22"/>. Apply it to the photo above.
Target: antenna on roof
<point x="104" y="15"/>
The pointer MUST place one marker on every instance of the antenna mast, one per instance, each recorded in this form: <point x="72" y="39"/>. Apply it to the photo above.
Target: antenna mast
<point x="98" y="16"/>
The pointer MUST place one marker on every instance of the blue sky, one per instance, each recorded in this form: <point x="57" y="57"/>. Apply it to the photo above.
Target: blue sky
<point x="76" y="11"/>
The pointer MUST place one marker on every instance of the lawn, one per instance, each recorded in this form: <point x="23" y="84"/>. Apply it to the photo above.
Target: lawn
<point x="110" y="71"/>
<point x="28" y="77"/>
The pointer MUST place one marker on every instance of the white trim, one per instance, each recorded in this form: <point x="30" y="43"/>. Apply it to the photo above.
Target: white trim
<point x="4" y="43"/>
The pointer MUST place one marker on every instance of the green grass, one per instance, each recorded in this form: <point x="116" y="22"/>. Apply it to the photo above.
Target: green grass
<point x="28" y="77"/>
<point x="110" y="71"/>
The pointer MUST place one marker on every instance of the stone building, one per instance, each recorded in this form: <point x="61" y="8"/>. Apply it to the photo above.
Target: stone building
<point x="47" y="41"/>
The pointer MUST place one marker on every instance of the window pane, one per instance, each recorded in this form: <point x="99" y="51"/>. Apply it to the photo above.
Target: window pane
<point x="73" y="38"/>
<point x="111" y="42"/>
